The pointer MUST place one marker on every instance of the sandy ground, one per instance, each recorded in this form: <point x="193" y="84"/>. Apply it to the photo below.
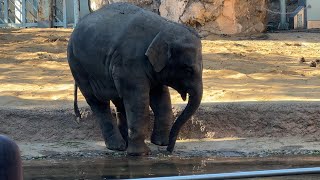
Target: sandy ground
<point x="34" y="73"/>
<point x="34" y="69"/>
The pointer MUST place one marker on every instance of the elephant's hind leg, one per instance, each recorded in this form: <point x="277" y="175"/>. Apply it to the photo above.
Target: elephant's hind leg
<point x="160" y="103"/>
<point x="121" y="118"/>
<point x="101" y="109"/>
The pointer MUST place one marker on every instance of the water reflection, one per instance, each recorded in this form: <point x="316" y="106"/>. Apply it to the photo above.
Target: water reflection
<point x="122" y="168"/>
<point x="135" y="168"/>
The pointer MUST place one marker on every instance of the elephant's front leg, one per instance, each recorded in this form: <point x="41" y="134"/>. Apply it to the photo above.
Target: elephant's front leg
<point x="136" y="101"/>
<point x="160" y="103"/>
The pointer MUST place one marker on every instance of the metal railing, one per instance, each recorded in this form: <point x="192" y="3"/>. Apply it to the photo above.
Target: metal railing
<point x="241" y="175"/>
<point x="18" y="13"/>
<point x="25" y="13"/>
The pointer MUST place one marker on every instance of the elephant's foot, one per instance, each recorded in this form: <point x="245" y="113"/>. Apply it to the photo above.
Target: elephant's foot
<point x="138" y="149"/>
<point x="161" y="139"/>
<point x="116" y="143"/>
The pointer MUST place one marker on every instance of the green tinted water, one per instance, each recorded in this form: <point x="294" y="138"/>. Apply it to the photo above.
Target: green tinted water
<point x="121" y="168"/>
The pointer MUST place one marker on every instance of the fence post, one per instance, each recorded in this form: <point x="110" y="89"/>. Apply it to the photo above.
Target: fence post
<point x="283" y="16"/>
<point x="23" y="12"/>
<point x="45" y="13"/>
<point x="6" y="11"/>
<point x="76" y="12"/>
<point x="64" y="11"/>
<point x="18" y="12"/>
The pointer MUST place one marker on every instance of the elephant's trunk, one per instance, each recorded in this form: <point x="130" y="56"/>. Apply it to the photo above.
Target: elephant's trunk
<point x="194" y="101"/>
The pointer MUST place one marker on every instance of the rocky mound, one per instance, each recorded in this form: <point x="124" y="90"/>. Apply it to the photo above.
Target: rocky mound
<point x="207" y="16"/>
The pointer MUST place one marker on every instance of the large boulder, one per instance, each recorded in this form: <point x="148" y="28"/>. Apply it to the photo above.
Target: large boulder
<point x="173" y="9"/>
<point x="207" y="16"/>
<point x="218" y="16"/>
<point x="152" y="5"/>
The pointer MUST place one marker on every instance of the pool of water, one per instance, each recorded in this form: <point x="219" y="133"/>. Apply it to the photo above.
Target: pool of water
<point x="133" y="167"/>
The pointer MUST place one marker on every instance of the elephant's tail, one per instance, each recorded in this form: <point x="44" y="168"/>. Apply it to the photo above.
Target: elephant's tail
<point x="75" y="103"/>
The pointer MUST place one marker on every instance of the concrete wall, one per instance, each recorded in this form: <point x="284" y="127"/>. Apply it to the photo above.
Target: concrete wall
<point x="313" y="14"/>
<point x="84" y="9"/>
<point x="313" y="10"/>
<point x="313" y="24"/>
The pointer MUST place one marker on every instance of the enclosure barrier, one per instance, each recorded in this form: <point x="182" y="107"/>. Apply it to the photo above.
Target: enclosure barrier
<point x="39" y="13"/>
<point x="241" y="175"/>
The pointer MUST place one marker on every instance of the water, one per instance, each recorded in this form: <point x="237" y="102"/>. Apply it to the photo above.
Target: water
<point x="121" y="168"/>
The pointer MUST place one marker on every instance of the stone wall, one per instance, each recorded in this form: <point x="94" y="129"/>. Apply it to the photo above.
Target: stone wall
<point x="207" y="16"/>
<point x="152" y="5"/>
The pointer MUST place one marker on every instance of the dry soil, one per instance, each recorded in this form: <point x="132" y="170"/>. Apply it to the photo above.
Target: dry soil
<point x="34" y="74"/>
<point x="34" y="70"/>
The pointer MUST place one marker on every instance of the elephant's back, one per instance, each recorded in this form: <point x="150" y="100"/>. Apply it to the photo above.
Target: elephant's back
<point x="114" y="14"/>
<point x="101" y="25"/>
<point x="112" y="24"/>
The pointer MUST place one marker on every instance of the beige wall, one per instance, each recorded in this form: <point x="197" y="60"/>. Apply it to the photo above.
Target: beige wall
<point x="313" y="24"/>
<point x="313" y="7"/>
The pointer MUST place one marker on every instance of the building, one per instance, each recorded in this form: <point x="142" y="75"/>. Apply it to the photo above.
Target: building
<point x="313" y="14"/>
<point x="297" y="18"/>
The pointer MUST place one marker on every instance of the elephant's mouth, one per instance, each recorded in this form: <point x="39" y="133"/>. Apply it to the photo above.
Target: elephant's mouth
<point x="183" y="95"/>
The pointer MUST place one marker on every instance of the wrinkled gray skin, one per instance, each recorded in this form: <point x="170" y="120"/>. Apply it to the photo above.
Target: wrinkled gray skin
<point x="127" y="55"/>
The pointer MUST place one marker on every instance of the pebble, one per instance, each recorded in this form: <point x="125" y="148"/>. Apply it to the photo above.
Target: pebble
<point x="302" y="60"/>
<point x="313" y="64"/>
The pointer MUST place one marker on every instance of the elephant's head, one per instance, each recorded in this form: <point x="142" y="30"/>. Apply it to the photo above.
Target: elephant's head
<point x="177" y="60"/>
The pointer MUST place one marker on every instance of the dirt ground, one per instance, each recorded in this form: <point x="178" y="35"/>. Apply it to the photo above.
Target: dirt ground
<point x="34" y="69"/>
<point x="225" y="147"/>
<point x="34" y="73"/>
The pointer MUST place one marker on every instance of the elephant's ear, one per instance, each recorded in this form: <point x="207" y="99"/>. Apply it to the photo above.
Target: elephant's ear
<point x="158" y="52"/>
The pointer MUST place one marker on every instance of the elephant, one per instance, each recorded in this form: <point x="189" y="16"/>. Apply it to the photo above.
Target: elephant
<point x="129" y="56"/>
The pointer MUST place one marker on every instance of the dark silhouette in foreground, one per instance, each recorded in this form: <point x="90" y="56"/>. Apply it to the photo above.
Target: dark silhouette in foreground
<point x="10" y="161"/>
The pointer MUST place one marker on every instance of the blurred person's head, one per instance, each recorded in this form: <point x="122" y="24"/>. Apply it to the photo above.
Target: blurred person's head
<point x="10" y="161"/>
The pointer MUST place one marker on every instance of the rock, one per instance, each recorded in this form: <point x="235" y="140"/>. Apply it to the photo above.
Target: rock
<point x="313" y="64"/>
<point x="199" y="13"/>
<point x="194" y="14"/>
<point x="207" y="16"/>
<point x="213" y="10"/>
<point x="302" y="60"/>
<point x="172" y="9"/>
<point x="218" y="17"/>
<point x="97" y="4"/>
<point x="152" y="5"/>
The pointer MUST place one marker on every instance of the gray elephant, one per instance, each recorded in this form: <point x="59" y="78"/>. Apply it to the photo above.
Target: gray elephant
<point x="127" y="55"/>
